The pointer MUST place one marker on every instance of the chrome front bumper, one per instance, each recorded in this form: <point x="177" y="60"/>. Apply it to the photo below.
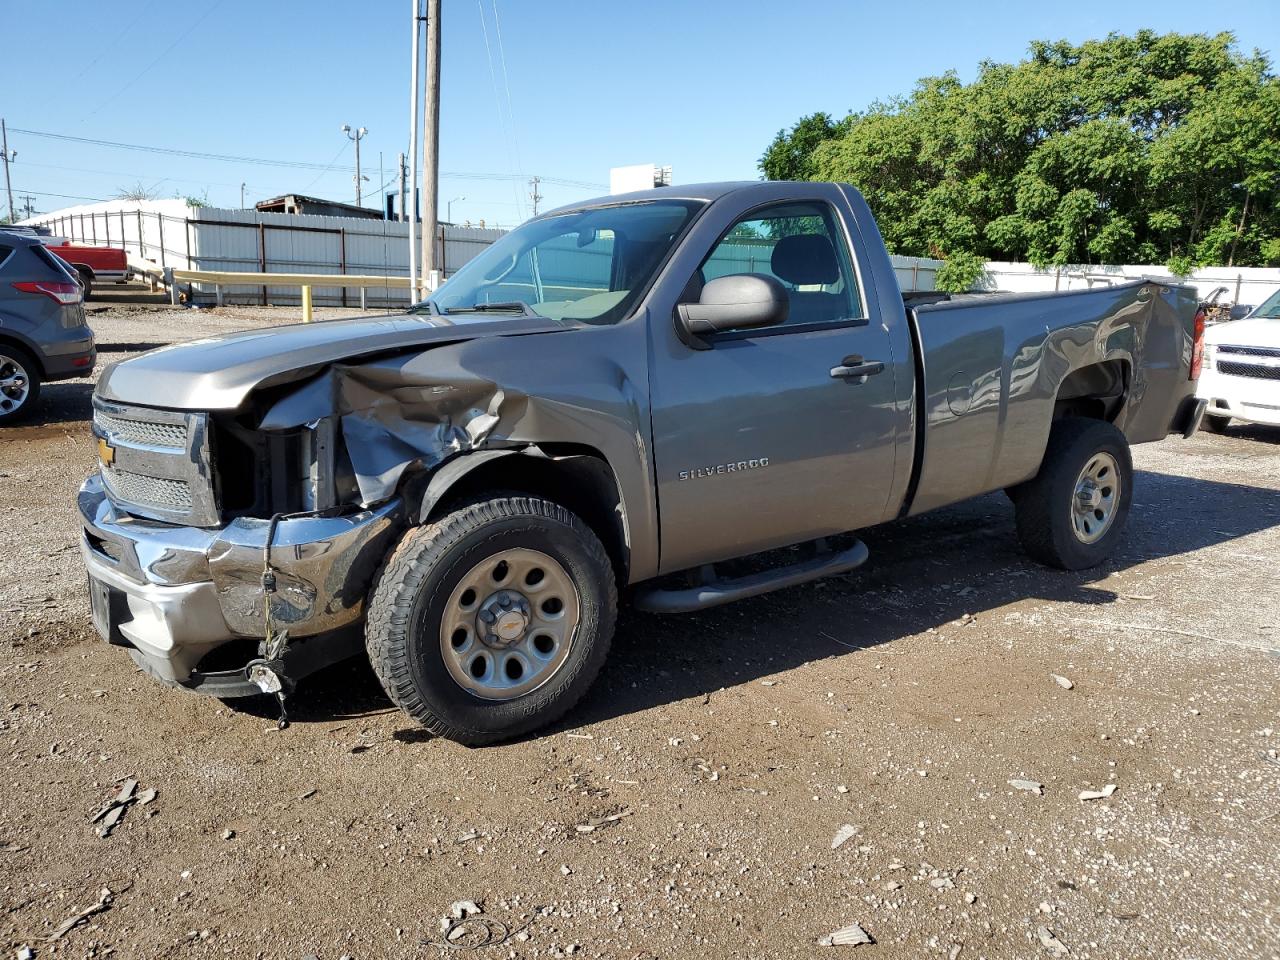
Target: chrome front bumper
<point x="175" y="593"/>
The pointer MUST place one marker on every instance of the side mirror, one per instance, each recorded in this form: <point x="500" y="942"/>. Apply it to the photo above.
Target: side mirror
<point x="742" y="301"/>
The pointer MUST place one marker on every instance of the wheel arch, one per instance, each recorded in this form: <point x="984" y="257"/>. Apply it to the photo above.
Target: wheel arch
<point x="11" y="339"/>
<point x="578" y="477"/>
<point x="1096" y="390"/>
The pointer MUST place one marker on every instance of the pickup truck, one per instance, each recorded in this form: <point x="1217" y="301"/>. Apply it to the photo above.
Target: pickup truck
<point x="93" y="264"/>
<point x="693" y="394"/>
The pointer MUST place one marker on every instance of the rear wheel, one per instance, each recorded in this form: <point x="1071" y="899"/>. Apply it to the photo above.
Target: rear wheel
<point x="1072" y="513"/>
<point x="1216" y="424"/>
<point x="86" y="281"/>
<point x="19" y="383"/>
<point x="493" y="621"/>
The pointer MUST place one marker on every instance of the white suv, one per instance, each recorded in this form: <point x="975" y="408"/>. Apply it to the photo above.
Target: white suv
<point x="1241" y="373"/>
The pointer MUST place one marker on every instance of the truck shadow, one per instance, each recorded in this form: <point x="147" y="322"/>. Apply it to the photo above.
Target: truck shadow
<point x="925" y="572"/>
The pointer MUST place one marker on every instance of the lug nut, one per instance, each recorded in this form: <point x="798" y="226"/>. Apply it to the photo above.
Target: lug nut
<point x="505" y="601"/>
<point x="487" y="616"/>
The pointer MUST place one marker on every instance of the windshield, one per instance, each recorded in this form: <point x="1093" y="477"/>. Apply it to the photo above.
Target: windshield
<point x="1270" y="307"/>
<point x="588" y="266"/>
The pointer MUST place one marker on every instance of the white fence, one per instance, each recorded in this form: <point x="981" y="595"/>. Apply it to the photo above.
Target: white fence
<point x="169" y="233"/>
<point x="1245" y="285"/>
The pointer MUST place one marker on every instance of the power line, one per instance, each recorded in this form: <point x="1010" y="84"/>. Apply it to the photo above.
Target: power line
<point x="66" y="196"/>
<point x="290" y="164"/>
<point x="173" y="152"/>
<point x="151" y="66"/>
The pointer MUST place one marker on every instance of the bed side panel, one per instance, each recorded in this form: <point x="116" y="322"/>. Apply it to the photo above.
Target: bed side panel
<point x="992" y="370"/>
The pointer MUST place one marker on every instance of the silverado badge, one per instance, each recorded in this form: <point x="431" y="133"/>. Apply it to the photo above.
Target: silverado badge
<point x="697" y="473"/>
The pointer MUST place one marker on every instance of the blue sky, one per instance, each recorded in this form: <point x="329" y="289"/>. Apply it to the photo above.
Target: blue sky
<point x="572" y="89"/>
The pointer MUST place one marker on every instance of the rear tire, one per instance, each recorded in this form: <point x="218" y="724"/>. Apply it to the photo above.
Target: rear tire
<point x="434" y="640"/>
<point x="1072" y="513"/>
<point x="86" y="281"/>
<point x="19" y="383"/>
<point x="1216" y="424"/>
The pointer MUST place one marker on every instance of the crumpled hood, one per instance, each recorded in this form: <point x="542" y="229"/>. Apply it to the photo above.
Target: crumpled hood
<point x="218" y="373"/>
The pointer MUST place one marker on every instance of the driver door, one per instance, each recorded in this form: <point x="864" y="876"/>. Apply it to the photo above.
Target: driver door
<point x="759" y="441"/>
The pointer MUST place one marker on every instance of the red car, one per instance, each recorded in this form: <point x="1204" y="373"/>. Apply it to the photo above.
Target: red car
<point x="93" y="264"/>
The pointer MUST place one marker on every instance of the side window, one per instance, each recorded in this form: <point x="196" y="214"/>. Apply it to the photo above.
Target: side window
<point x="5" y="251"/>
<point x="799" y="245"/>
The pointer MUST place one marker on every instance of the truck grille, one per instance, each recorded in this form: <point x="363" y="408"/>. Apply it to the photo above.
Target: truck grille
<point x="1257" y="363"/>
<point x="1237" y="369"/>
<point x="155" y="463"/>
<point x="142" y="432"/>
<point x="169" y="495"/>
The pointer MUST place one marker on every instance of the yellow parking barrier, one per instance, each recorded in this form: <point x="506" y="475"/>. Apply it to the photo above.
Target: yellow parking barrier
<point x="306" y="303"/>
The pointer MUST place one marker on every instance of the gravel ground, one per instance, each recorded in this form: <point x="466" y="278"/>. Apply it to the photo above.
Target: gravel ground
<point x="728" y="747"/>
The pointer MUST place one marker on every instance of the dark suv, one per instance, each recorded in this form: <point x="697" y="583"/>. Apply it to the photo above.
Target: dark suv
<point x="43" y="335"/>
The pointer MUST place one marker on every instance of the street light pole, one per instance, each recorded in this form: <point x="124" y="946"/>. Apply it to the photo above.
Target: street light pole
<point x="449" y="208"/>
<point x="411" y="204"/>
<point x="356" y="135"/>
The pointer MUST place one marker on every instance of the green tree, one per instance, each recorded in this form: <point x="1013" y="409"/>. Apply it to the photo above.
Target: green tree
<point x="1131" y="148"/>
<point x="789" y="156"/>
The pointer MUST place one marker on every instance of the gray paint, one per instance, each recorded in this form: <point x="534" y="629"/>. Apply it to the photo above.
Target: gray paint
<point x="716" y="453"/>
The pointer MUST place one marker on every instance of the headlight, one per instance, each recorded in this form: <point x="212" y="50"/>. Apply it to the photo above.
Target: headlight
<point x="1208" y="354"/>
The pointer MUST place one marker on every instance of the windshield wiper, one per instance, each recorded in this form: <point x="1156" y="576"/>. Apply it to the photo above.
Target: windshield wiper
<point x="504" y="306"/>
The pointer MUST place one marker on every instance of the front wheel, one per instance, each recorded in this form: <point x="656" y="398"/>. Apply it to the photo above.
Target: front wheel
<point x="494" y="620"/>
<point x="1072" y="513"/>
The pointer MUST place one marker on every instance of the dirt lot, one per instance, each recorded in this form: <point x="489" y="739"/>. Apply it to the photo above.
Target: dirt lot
<point x="900" y="700"/>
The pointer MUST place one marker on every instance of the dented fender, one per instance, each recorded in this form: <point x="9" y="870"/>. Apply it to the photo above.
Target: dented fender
<point x="446" y="410"/>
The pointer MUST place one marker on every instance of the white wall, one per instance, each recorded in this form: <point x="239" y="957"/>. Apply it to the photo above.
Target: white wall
<point x="1250" y="285"/>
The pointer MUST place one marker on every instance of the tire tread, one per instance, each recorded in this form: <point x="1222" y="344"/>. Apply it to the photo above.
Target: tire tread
<point x="407" y="567"/>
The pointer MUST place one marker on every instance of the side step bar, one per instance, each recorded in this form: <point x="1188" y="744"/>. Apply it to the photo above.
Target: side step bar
<point x="715" y="592"/>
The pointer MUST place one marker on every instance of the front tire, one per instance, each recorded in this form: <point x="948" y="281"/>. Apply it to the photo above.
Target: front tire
<point x="19" y="383"/>
<point x="494" y="620"/>
<point x="1072" y="513"/>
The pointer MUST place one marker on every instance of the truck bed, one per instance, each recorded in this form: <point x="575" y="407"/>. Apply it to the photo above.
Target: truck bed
<point x="993" y="370"/>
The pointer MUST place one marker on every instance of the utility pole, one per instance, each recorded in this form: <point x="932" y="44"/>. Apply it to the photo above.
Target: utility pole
<point x="431" y="269"/>
<point x="242" y="196"/>
<point x="534" y="195"/>
<point x="8" y="159"/>
<point x="27" y="201"/>
<point x="356" y="135"/>
<point x="401" y="175"/>
<point x="413" y="152"/>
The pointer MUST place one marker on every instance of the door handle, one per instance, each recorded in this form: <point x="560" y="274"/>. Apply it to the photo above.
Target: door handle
<point x="857" y="369"/>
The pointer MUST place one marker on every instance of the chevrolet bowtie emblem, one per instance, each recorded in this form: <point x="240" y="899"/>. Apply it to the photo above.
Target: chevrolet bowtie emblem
<point x="106" y="452"/>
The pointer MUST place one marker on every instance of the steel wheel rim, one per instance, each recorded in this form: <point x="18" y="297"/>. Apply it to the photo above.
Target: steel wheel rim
<point x="1096" y="498"/>
<point x="15" y="384"/>
<point x="509" y="624"/>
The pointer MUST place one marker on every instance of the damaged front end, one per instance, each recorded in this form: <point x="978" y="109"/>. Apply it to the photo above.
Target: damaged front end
<point x="232" y="550"/>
